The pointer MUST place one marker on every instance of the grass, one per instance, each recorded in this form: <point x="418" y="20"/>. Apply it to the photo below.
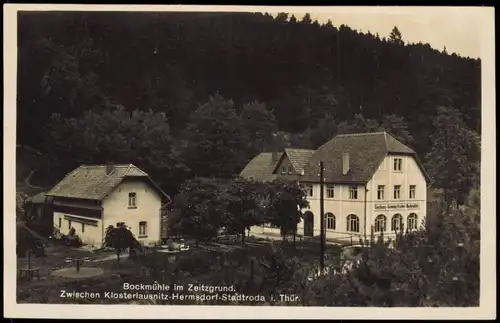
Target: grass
<point x="195" y="266"/>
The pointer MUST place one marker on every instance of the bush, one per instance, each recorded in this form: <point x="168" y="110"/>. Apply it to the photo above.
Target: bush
<point x="435" y="266"/>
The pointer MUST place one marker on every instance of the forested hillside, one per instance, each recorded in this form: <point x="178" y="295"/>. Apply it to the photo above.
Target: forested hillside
<point x="183" y="94"/>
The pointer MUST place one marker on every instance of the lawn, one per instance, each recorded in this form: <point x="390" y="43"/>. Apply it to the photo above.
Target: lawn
<point x="200" y="265"/>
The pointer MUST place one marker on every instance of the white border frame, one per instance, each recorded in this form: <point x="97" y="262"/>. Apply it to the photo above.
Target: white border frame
<point x="487" y="308"/>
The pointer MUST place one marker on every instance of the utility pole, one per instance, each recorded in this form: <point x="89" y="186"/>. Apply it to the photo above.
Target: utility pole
<point x="322" y="217"/>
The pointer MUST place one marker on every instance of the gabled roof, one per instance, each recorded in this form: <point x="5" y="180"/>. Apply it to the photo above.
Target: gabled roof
<point x="298" y="158"/>
<point x="261" y="167"/>
<point x="37" y="199"/>
<point x="366" y="153"/>
<point x="91" y="181"/>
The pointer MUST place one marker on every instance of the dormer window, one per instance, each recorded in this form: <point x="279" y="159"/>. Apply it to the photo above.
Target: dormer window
<point x="290" y="170"/>
<point x="283" y="170"/>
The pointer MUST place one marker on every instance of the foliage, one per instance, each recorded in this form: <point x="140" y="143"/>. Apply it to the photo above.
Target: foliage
<point x="215" y="139"/>
<point x="120" y="238"/>
<point x="102" y="137"/>
<point x="393" y="124"/>
<point x="286" y="200"/>
<point x="200" y="208"/>
<point x="260" y="124"/>
<point x="204" y="206"/>
<point x="244" y="206"/>
<point x="395" y="36"/>
<point x="453" y="160"/>
<point x="277" y="269"/>
<point x="72" y="63"/>
<point x="434" y="266"/>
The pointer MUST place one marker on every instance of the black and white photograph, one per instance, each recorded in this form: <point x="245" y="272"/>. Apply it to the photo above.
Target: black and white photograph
<point x="249" y="162"/>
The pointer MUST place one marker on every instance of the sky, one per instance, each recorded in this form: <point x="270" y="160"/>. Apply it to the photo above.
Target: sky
<point x="456" y="28"/>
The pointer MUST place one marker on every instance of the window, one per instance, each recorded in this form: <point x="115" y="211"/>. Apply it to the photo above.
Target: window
<point x="330" y="221"/>
<point x="69" y="224"/>
<point x="380" y="223"/>
<point x="60" y="222"/>
<point x="353" y="192"/>
<point x="142" y="228"/>
<point x="330" y="191"/>
<point x="283" y="170"/>
<point x="119" y="224"/>
<point x="352" y="223"/>
<point x="290" y="170"/>
<point x="412" y="221"/>
<point x="83" y="228"/>
<point x="398" y="164"/>
<point x="380" y="192"/>
<point x="132" y="200"/>
<point x="308" y="189"/>
<point x="413" y="191"/>
<point x="396" y="223"/>
<point x="397" y="192"/>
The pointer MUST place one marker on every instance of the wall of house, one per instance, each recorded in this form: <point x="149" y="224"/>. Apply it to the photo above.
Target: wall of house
<point x="148" y="204"/>
<point x="283" y="171"/>
<point x="342" y="206"/>
<point x="410" y="174"/>
<point x="87" y="224"/>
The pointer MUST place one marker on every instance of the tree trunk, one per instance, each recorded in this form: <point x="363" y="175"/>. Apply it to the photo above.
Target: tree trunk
<point x="294" y="236"/>
<point x="243" y="239"/>
<point x="118" y="257"/>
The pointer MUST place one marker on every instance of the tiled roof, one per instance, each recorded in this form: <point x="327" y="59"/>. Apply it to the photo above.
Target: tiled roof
<point x="366" y="152"/>
<point x="92" y="182"/>
<point x="299" y="157"/>
<point x="261" y="167"/>
<point x="37" y="199"/>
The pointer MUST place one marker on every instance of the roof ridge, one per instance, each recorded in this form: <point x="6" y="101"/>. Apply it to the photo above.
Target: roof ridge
<point x="385" y="141"/>
<point x="128" y="170"/>
<point x="361" y="134"/>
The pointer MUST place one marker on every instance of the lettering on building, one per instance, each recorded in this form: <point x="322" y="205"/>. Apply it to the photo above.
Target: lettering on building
<point x="396" y="206"/>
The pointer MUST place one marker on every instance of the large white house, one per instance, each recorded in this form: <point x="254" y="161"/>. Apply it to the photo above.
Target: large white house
<point x="371" y="182"/>
<point x="93" y="197"/>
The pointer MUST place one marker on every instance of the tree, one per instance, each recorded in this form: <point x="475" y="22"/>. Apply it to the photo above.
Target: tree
<point x="398" y="127"/>
<point x="260" y="125"/>
<point x="286" y="200"/>
<point x="395" y="36"/>
<point x="245" y="208"/>
<point x="216" y="139"/>
<point x="306" y="20"/>
<point x="324" y="130"/>
<point x="120" y="238"/>
<point x="393" y="124"/>
<point x="444" y="254"/>
<point x="200" y="208"/>
<point x="452" y="161"/>
<point x="118" y="136"/>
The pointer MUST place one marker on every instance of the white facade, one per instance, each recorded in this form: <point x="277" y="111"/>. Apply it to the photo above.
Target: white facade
<point x="363" y="205"/>
<point x="141" y="214"/>
<point x="386" y="204"/>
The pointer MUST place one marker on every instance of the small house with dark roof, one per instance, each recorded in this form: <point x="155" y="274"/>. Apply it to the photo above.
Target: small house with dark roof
<point x="93" y="197"/>
<point x="372" y="182"/>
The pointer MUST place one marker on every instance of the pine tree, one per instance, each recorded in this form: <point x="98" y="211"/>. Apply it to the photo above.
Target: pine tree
<point x="395" y="36"/>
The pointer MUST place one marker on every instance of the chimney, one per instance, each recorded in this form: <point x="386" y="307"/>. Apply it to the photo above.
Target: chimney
<point x="345" y="163"/>
<point x="109" y="168"/>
